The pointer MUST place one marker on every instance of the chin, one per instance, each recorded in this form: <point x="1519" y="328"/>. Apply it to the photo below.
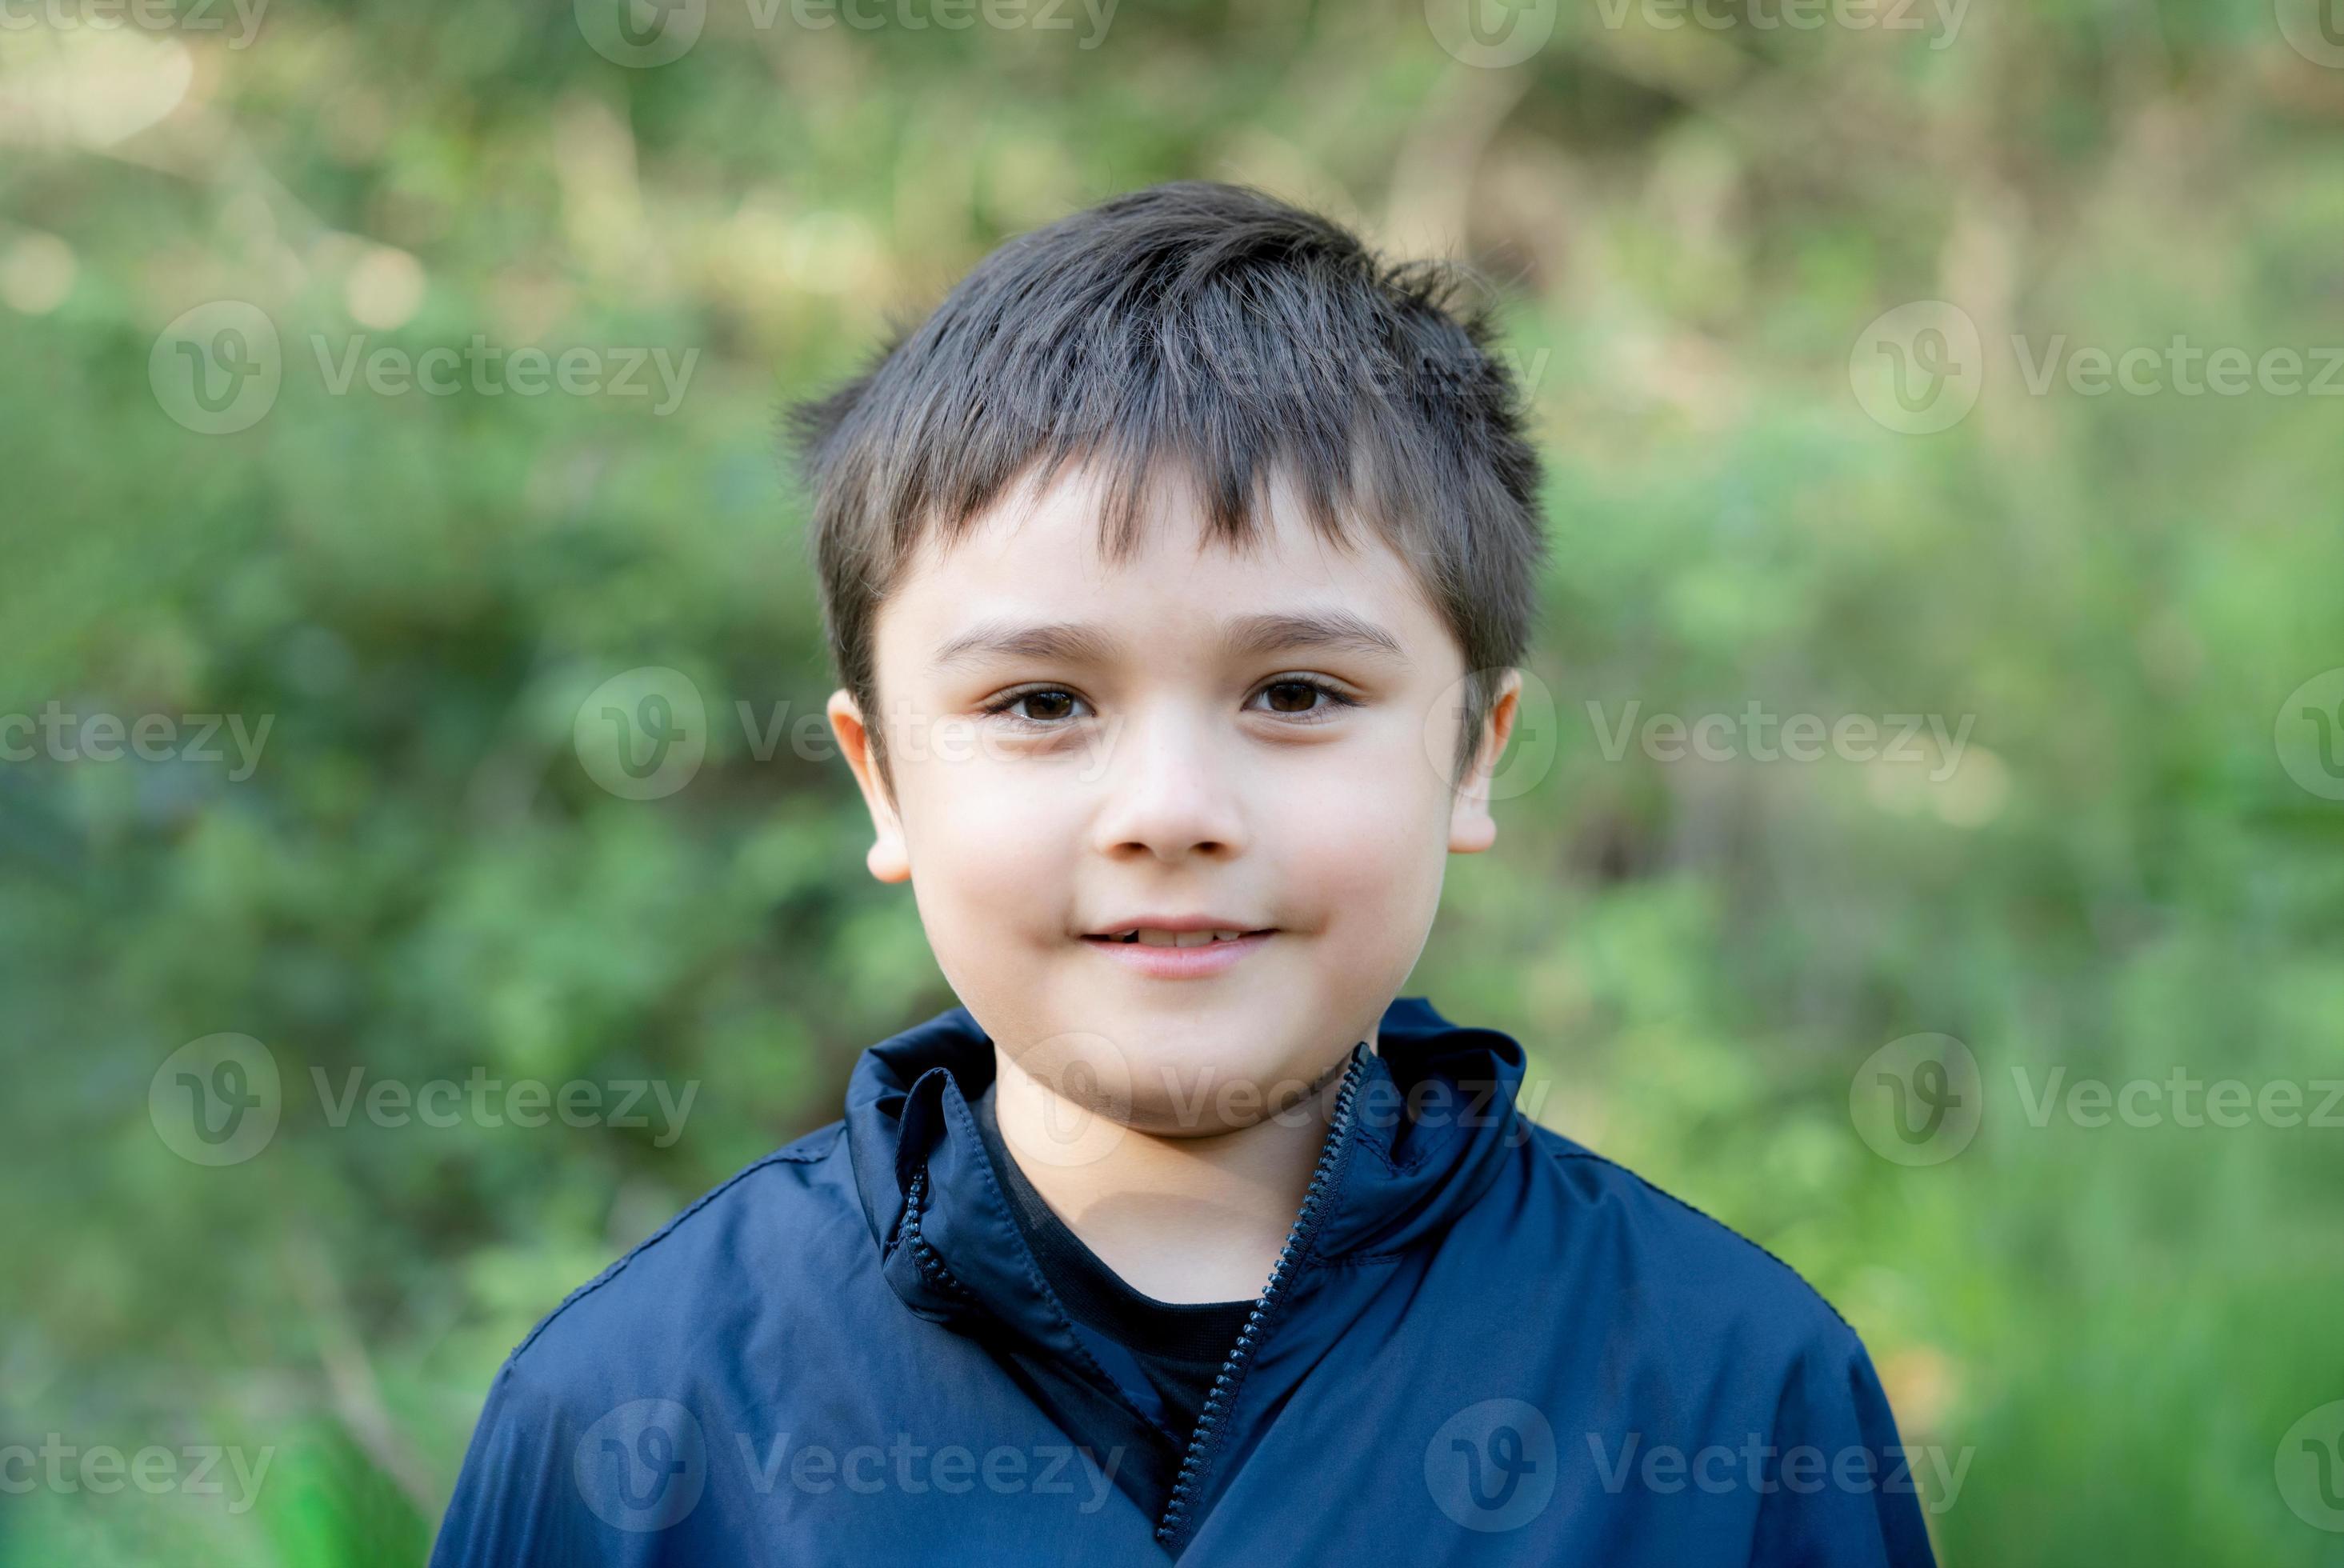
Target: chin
<point x="1179" y="1059"/>
<point x="1188" y="1083"/>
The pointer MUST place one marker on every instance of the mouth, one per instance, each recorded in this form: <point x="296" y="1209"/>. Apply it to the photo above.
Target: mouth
<point x="1179" y="949"/>
<point x="1169" y="936"/>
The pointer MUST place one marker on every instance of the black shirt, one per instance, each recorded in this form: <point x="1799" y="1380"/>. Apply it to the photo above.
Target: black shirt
<point x="1178" y="1345"/>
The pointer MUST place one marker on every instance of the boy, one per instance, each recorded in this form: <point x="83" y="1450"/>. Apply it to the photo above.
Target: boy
<point x="1176" y="568"/>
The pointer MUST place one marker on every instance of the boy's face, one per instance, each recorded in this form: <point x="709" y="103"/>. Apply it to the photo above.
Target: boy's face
<point x="1255" y="742"/>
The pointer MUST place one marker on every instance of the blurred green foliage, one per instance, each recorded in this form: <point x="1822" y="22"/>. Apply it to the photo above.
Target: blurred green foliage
<point x="1688" y="228"/>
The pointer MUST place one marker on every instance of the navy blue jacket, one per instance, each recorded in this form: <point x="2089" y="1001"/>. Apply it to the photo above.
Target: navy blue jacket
<point x="1481" y="1344"/>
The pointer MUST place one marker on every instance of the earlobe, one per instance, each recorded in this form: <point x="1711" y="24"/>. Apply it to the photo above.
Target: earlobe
<point x="888" y="858"/>
<point x="1471" y="828"/>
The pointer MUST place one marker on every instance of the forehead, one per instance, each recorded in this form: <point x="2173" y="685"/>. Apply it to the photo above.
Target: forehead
<point x="1041" y="554"/>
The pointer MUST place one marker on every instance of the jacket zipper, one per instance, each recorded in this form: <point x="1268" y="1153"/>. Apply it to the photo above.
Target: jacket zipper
<point x="1204" y="1443"/>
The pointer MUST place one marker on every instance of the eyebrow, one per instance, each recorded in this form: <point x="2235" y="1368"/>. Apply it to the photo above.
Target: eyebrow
<point x="1243" y="636"/>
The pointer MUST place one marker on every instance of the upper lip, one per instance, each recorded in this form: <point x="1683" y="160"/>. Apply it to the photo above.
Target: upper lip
<point x="1174" y="923"/>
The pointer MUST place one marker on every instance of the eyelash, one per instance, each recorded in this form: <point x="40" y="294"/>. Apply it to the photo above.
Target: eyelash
<point x="1336" y="700"/>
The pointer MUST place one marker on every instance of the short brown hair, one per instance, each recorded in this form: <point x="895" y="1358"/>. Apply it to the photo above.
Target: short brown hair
<point x="1216" y="327"/>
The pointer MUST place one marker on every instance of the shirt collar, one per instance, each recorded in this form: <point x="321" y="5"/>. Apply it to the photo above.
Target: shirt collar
<point x="1433" y="1118"/>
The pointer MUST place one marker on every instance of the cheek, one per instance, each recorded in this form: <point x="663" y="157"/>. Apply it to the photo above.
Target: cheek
<point x="990" y="853"/>
<point x="1367" y="838"/>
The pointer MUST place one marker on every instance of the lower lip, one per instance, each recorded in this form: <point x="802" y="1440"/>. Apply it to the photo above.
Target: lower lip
<point x="1180" y="963"/>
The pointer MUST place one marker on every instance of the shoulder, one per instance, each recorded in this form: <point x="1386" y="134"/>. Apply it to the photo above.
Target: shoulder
<point x="694" y="1325"/>
<point x="1696" y="1277"/>
<point x="749" y="1248"/>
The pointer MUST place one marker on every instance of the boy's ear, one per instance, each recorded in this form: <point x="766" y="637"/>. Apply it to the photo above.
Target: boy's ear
<point x="1471" y="828"/>
<point x="888" y="858"/>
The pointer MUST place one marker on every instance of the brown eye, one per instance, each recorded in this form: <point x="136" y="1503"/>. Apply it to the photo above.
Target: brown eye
<point x="1043" y="707"/>
<point x="1291" y="696"/>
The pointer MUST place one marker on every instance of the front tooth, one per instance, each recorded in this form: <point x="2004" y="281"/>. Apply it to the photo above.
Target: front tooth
<point x="1192" y="938"/>
<point x="1226" y="936"/>
<point x="1155" y="938"/>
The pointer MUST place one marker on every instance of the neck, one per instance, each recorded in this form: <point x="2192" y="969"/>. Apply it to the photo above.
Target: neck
<point x="1199" y="1218"/>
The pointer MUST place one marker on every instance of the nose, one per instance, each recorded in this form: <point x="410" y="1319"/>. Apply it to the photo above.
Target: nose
<point x="1169" y="791"/>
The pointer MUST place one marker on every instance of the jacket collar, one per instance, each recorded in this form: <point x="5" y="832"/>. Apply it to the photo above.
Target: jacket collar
<point x="1433" y="1116"/>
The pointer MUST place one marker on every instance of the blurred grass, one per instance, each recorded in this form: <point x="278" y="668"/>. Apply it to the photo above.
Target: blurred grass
<point x="1688" y="228"/>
